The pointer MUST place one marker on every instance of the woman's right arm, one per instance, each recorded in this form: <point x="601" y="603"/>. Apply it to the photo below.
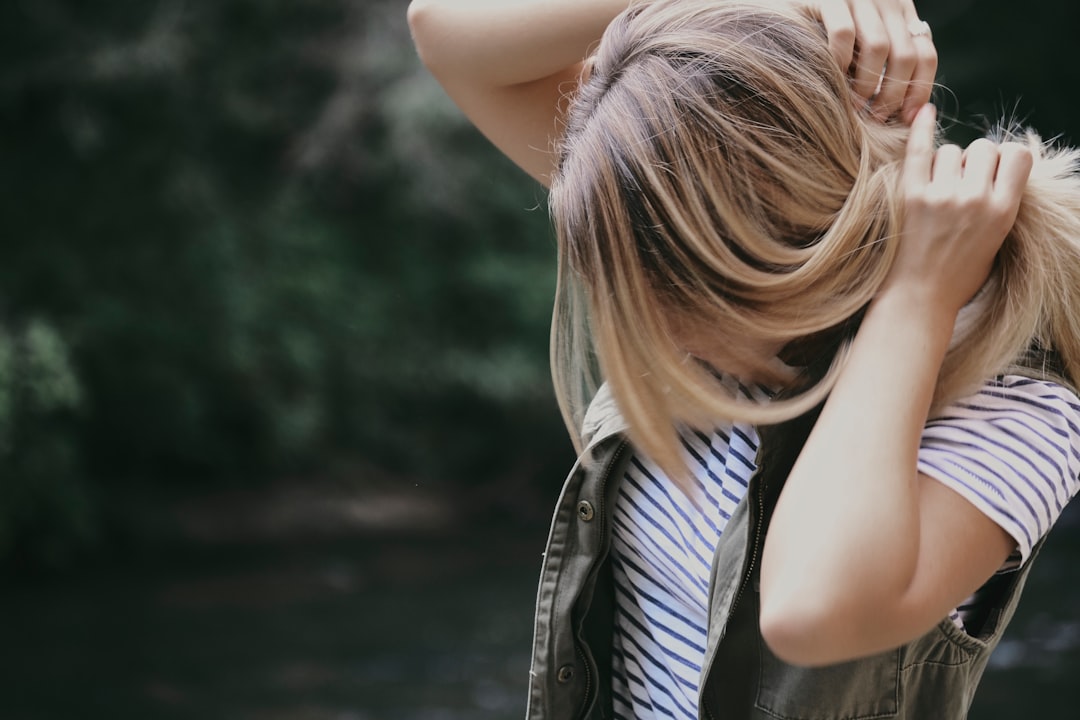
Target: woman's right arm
<point x="510" y="64"/>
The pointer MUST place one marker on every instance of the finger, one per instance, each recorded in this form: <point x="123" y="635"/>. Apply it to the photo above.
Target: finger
<point x="980" y="162"/>
<point x="840" y="27"/>
<point x="919" y="157"/>
<point x="872" y="48"/>
<point x="922" y="77"/>
<point x="898" y="68"/>
<point x="947" y="163"/>
<point x="1013" y="170"/>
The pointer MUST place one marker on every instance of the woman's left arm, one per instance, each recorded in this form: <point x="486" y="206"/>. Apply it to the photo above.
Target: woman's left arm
<point x="863" y="552"/>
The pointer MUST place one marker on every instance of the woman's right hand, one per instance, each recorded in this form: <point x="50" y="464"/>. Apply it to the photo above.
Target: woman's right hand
<point x="510" y="65"/>
<point x="867" y="36"/>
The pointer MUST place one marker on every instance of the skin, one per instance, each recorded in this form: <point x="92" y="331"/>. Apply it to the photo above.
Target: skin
<point x="863" y="552"/>
<point x="866" y="37"/>
<point x="510" y="64"/>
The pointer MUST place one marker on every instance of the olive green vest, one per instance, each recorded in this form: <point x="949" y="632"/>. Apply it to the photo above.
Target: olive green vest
<point x="932" y="677"/>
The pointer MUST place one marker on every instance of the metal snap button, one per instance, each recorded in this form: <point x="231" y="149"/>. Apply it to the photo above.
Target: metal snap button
<point x="566" y="673"/>
<point x="585" y="510"/>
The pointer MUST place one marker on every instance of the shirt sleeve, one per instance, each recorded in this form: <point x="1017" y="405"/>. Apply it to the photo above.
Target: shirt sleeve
<point x="1013" y="451"/>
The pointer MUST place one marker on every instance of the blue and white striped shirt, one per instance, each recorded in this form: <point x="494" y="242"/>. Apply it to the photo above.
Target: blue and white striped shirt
<point x="1012" y="450"/>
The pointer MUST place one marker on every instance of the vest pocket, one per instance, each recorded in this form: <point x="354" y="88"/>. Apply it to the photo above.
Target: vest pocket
<point x="856" y="690"/>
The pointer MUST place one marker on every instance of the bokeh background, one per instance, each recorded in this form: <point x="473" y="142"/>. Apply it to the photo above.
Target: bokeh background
<point x="277" y="439"/>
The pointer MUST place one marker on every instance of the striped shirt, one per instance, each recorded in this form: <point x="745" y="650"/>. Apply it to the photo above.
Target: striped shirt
<point x="1012" y="450"/>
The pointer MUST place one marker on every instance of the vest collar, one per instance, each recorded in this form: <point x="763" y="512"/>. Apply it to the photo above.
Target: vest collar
<point x="603" y="419"/>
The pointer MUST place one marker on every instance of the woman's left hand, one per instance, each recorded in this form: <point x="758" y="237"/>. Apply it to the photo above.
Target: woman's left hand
<point x="865" y="552"/>
<point x="887" y="49"/>
<point x="958" y="207"/>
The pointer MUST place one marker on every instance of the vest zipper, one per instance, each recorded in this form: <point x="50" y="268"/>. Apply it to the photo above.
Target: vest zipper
<point x="756" y="546"/>
<point x="760" y="496"/>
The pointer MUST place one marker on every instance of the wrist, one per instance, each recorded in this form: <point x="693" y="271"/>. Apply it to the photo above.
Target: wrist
<point x="910" y="320"/>
<point x="912" y="305"/>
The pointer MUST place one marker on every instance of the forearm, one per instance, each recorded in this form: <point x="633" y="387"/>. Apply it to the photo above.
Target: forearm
<point x="864" y="553"/>
<point x="510" y="65"/>
<point x="843" y="547"/>
<point x="507" y="42"/>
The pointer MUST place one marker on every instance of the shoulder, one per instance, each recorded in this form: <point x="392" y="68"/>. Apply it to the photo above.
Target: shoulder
<point x="1012" y="449"/>
<point x="1018" y="391"/>
<point x="1018" y="408"/>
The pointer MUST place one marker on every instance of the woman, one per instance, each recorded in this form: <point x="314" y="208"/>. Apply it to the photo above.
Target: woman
<point x="844" y="358"/>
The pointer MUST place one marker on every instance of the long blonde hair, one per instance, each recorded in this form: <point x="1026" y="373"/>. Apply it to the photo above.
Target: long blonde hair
<point x="715" y="166"/>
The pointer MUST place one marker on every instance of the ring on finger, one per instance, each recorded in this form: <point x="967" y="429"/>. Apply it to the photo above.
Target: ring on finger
<point x="919" y="28"/>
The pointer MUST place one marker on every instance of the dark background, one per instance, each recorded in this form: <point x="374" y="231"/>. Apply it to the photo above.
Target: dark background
<point x="277" y="437"/>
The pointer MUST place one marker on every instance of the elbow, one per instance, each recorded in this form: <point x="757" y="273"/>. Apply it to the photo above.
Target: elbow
<point x="815" y="630"/>
<point x="422" y="17"/>
<point x="814" y="615"/>
<point x="802" y="615"/>
<point x="800" y="634"/>
<point x="418" y="13"/>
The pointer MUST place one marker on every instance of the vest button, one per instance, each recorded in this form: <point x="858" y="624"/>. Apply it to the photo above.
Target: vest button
<point x="585" y="510"/>
<point x="566" y="674"/>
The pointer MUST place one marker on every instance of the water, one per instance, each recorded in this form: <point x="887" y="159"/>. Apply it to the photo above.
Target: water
<point x="433" y="627"/>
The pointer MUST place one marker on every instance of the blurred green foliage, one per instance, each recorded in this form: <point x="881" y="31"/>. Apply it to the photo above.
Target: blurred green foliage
<point x="247" y="237"/>
<point x="44" y="507"/>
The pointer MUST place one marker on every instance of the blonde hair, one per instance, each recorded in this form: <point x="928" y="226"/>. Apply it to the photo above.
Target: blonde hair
<point x="716" y="166"/>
